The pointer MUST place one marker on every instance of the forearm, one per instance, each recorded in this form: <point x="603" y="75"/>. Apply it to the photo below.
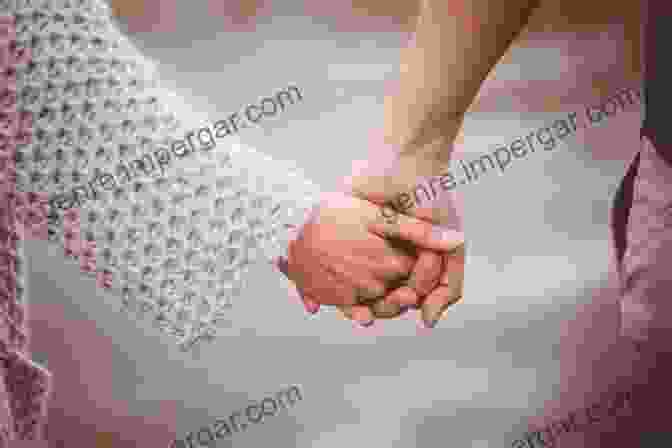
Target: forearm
<point x="456" y="44"/>
<point x="167" y="210"/>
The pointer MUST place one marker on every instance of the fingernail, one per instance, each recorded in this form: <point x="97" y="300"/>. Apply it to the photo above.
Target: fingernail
<point x="431" y="315"/>
<point x="311" y="307"/>
<point x="430" y="323"/>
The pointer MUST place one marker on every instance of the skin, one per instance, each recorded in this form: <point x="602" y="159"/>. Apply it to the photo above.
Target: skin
<point x="435" y="282"/>
<point x="335" y="273"/>
<point x="456" y="44"/>
<point x="436" y="277"/>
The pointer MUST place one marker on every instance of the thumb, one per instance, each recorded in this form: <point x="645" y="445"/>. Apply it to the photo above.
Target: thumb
<point x="423" y="234"/>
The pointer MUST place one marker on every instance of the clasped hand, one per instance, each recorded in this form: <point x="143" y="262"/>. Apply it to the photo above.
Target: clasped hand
<point x="347" y="255"/>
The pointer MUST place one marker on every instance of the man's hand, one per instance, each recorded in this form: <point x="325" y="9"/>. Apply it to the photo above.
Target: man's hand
<point x="441" y="261"/>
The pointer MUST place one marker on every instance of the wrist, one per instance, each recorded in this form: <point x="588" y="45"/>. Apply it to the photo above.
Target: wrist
<point x="393" y="170"/>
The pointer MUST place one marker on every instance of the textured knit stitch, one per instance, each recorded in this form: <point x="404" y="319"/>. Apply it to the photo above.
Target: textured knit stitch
<point x="174" y="247"/>
<point x="24" y="386"/>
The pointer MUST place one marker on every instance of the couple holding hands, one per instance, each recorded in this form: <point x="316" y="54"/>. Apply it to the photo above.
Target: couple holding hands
<point x="347" y="254"/>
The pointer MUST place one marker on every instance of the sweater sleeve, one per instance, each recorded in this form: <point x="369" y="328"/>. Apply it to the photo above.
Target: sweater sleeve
<point x="168" y="224"/>
<point x="24" y="385"/>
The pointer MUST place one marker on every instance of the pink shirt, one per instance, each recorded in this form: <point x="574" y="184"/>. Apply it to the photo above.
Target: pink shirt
<point x="643" y="209"/>
<point x="646" y="304"/>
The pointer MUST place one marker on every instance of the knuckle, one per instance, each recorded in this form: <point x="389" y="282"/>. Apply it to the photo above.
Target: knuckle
<point x="397" y="266"/>
<point x="424" y="287"/>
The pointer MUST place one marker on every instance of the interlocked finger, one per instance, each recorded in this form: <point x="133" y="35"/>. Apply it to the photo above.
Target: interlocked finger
<point x="426" y="273"/>
<point x="449" y="291"/>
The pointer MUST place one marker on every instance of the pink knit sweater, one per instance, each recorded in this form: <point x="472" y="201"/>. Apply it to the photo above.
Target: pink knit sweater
<point x="24" y="386"/>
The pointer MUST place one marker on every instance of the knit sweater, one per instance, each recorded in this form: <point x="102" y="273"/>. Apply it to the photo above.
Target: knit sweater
<point x="84" y="115"/>
<point x="173" y="243"/>
<point x="24" y="386"/>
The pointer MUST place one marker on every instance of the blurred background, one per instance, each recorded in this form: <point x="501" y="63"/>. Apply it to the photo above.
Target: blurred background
<point x="532" y="337"/>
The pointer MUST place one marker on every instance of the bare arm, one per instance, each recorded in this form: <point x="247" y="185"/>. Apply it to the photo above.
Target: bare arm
<point x="456" y="44"/>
